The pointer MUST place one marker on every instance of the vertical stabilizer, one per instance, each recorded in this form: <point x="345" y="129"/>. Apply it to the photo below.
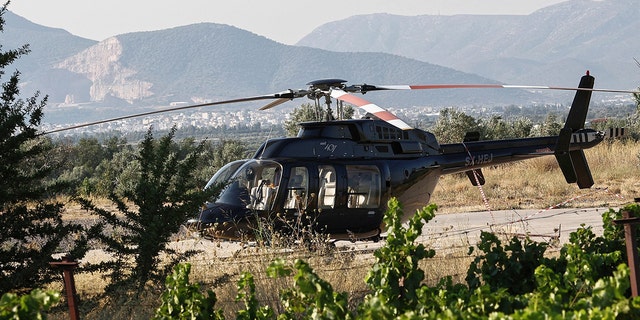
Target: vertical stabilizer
<point x="574" y="163"/>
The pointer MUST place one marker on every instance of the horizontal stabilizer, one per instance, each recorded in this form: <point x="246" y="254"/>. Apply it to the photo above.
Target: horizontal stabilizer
<point x="572" y="163"/>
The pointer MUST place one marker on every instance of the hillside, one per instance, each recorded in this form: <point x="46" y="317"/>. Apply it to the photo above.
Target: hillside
<point x="549" y="46"/>
<point x="208" y="61"/>
<point x="48" y="46"/>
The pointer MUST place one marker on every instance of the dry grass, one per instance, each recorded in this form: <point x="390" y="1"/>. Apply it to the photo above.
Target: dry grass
<point x="539" y="183"/>
<point x="344" y="267"/>
<point x="536" y="183"/>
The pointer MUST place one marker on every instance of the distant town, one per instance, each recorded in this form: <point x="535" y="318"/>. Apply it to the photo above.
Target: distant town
<point x="252" y="119"/>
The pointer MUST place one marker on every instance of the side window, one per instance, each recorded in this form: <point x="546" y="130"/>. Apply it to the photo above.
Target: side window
<point x="327" y="191"/>
<point x="297" y="189"/>
<point x="363" y="189"/>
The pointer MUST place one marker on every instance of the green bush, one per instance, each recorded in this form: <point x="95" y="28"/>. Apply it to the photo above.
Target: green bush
<point x="28" y="306"/>
<point x="182" y="300"/>
<point x="165" y="197"/>
<point x="587" y="280"/>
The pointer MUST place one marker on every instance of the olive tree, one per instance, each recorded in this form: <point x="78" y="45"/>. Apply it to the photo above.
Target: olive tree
<point x="309" y="112"/>
<point x="453" y="125"/>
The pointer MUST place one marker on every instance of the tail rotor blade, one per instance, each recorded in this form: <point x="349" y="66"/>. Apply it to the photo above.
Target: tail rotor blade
<point x="615" y="133"/>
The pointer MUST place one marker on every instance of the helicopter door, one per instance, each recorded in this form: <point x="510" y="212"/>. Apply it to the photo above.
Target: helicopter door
<point x="297" y="189"/>
<point x="327" y="191"/>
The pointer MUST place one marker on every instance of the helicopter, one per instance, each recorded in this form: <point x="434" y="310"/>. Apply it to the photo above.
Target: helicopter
<point x="337" y="175"/>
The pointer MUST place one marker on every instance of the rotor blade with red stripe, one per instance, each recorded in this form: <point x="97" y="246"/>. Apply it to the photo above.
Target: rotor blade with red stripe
<point x="366" y="88"/>
<point x="369" y="107"/>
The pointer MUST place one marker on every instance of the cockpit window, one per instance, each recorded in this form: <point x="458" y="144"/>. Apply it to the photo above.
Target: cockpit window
<point x="253" y="185"/>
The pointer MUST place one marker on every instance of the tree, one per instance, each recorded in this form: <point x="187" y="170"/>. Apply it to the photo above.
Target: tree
<point x="496" y="128"/>
<point x="309" y="112"/>
<point x="116" y="173"/>
<point x="550" y="127"/>
<point x="453" y="125"/>
<point x="522" y="127"/>
<point x="161" y="197"/>
<point x="227" y="151"/>
<point x="31" y="226"/>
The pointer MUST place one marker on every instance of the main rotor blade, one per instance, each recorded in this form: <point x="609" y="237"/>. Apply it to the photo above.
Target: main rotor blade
<point x="285" y="95"/>
<point x="370" y="108"/>
<point x="275" y="103"/>
<point x="365" y="88"/>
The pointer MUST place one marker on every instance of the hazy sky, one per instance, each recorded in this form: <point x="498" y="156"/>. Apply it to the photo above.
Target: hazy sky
<point x="285" y="21"/>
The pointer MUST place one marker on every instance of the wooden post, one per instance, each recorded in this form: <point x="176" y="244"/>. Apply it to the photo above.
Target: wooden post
<point x="632" y="249"/>
<point x="68" y="264"/>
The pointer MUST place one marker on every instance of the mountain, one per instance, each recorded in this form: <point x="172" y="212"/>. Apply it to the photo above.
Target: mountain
<point x="549" y="47"/>
<point x="48" y="46"/>
<point x="209" y="62"/>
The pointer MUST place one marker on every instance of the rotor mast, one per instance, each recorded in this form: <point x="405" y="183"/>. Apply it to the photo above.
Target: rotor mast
<point x="322" y="88"/>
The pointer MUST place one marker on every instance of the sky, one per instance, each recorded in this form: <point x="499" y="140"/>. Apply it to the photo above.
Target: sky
<point x="285" y="21"/>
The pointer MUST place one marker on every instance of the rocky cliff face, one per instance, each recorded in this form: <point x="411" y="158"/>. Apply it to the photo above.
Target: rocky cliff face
<point x="102" y="66"/>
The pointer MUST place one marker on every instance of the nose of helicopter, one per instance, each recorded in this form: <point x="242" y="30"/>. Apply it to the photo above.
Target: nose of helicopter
<point x="219" y="221"/>
<point x="212" y="213"/>
<point x="215" y="213"/>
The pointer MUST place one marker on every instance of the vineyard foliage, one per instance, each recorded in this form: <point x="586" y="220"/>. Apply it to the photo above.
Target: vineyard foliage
<point x="28" y="306"/>
<point x="588" y="279"/>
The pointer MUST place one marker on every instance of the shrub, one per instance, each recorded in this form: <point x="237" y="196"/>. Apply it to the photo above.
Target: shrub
<point x="586" y="281"/>
<point x="28" y="306"/>
<point x="164" y="198"/>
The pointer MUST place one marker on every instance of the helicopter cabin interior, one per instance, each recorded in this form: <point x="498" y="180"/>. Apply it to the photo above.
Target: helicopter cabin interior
<point x="356" y="186"/>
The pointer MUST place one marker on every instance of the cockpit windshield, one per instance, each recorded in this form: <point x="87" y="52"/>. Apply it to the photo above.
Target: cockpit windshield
<point x="253" y="185"/>
<point x="222" y="176"/>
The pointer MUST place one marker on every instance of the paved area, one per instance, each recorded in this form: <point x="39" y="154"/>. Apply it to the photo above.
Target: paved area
<point x="452" y="232"/>
<point x="552" y="226"/>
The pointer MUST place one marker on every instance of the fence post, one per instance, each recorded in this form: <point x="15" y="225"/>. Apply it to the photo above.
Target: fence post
<point x="67" y="265"/>
<point x="632" y="249"/>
